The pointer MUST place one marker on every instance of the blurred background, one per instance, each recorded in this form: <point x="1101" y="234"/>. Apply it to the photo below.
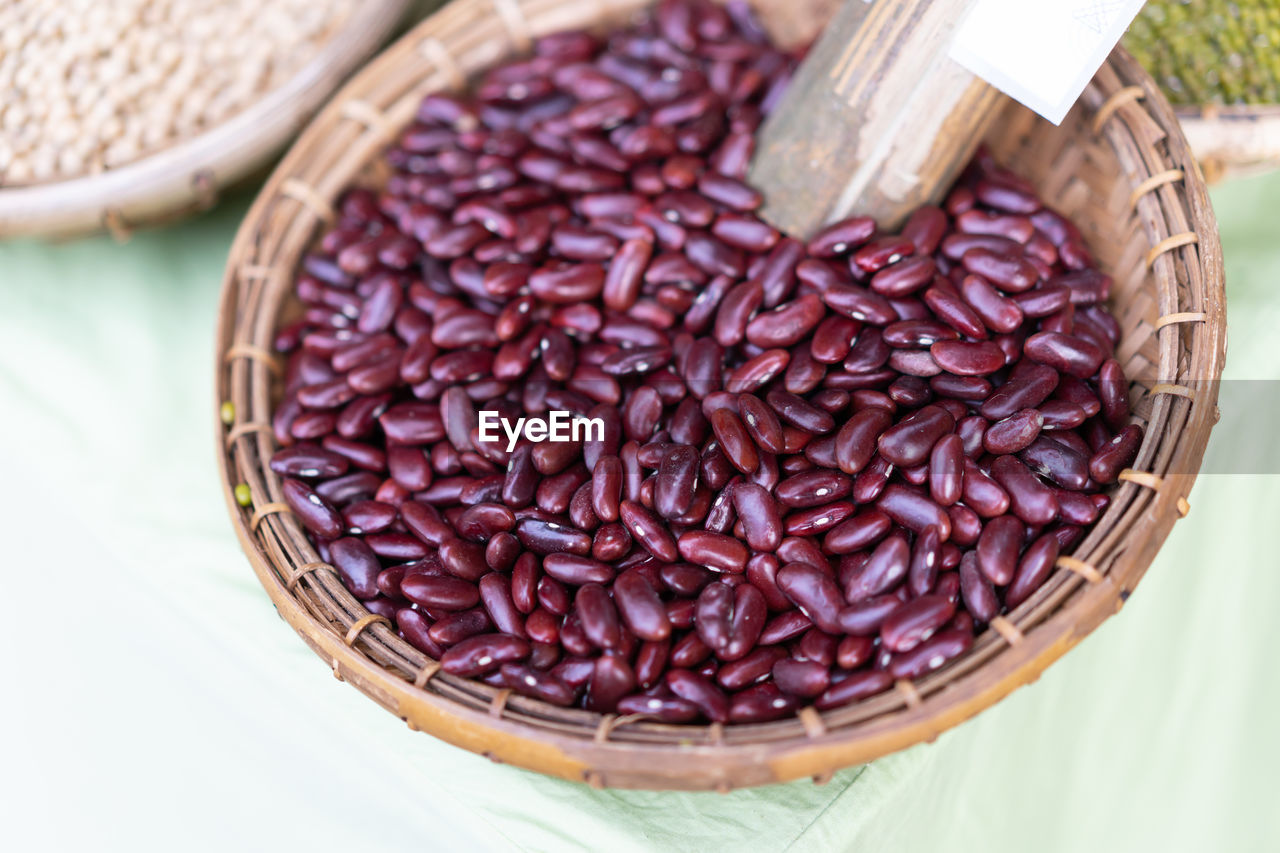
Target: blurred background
<point x="155" y="699"/>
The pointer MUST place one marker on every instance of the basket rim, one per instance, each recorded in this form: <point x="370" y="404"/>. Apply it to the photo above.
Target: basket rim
<point x="189" y="172"/>
<point x="938" y="702"/>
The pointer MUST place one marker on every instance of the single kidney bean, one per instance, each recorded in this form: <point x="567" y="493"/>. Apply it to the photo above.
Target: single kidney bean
<point x="999" y="547"/>
<point x="357" y="565"/>
<point x="640" y="606"/>
<point x="946" y="470"/>
<point x="1066" y="353"/>
<point x="909" y="442"/>
<point x="913" y="510"/>
<point x="611" y="679"/>
<point x="537" y="683"/>
<point x="1012" y="273"/>
<point x="915" y="621"/>
<point x="1055" y="461"/>
<point x="884" y="570"/>
<point x="313" y="511"/>
<point x="930" y="655"/>
<point x="864" y="618"/>
<point x="1014" y="433"/>
<point x="1034" y="567"/>
<point x="814" y="593"/>
<point x="1025" y="390"/>
<point x="954" y="311"/>
<point x="598" y="616"/>
<point x="1031" y="500"/>
<point x="649" y="530"/>
<point x="676" y="480"/>
<point x="926" y="558"/>
<point x="803" y="678"/>
<point x="573" y="569"/>
<point x="713" y="550"/>
<point x="440" y="593"/>
<point x="1107" y="462"/>
<point x="841" y="237"/>
<point x="968" y="358"/>
<point x="701" y="692"/>
<point x="853" y="688"/>
<point x="856" y="442"/>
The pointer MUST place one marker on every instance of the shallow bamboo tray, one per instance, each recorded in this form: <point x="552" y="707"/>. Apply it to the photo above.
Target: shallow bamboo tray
<point x="1118" y="165"/>
<point x="185" y="177"/>
<point x="1234" y="141"/>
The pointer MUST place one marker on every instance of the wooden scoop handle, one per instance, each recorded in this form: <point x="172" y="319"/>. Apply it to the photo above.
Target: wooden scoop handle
<point x="878" y="119"/>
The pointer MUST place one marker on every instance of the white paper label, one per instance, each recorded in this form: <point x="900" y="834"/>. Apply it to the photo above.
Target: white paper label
<point x="1041" y="53"/>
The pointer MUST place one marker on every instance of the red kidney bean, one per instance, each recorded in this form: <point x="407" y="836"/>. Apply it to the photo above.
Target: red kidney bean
<point x="946" y="470"/>
<point x="598" y="616"/>
<point x="998" y="548"/>
<point x="463" y="559"/>
<point x="640" y="606"/>
<point x="997" y="313"/>
<point x="841" y="237"/>
<point x="1057" y="462"/>
<point x="1107" y="462"/>
<point x="676" y="480"/>
<point x="1012" y="273"/>
<point x="1066" y="353"/>
<point x="787" y="324"/>
<point x="574" y="569"/>
<point x="648" y="530"/>
<point x="1034" y="567"/>
<point x="909" y="442"/>
<point x="611" y="679"/>
<point x="856" y="441"/>
<point x="809" y="522"/>
<point x="802" y="678"/>
<point x="859" y="304"/>
<point x="440" y="593"/>
<point x="954" y="311"/>
<point x="884" y="570"/>
<point x="913" y="510"/>
<point x="930" y="655"/>
<point x="313" y="511"/>
<point x="926" y="559"/>
<point x="1031" y="500"/>
<point x="714" y="550"/>
<point x="701" y="692"/>
<point x="857" y="532"/>
<point x="537" y="683"/>
<point x="1114" y="393"/>
<point x="748" y="670"/>
<point x="904" y="277"/>
<point x="814" y="593"/>
<point x="456" y="627"/>
<point x="483" y="653"/>
<point x="854" y="688"/>
<point x="833" y="339"/>
<point x="968" y="358"/>
<point x="357" y="565"/>
<point x="1013" y="433"/>
<point x="915" y="621"/>
<point x="1024" y="390"/>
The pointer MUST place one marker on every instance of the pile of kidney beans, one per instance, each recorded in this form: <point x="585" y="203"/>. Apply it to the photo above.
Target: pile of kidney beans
<point x="825" y="465"/>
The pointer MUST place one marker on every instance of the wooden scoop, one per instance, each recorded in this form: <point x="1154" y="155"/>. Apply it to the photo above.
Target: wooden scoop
<point x="878" y="119"/>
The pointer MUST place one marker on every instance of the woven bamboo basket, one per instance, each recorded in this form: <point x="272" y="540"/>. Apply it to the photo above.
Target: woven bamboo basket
<point x="1118" y="165"/>
<point x="1234" y="141"/>
<point x="186" y="176"/>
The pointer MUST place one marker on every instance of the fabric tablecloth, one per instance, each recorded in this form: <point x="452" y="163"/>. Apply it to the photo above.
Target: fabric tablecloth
<point x="155" y="701"/>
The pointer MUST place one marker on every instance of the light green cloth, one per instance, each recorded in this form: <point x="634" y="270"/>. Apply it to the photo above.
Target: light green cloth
<point x="156" y="702"/>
